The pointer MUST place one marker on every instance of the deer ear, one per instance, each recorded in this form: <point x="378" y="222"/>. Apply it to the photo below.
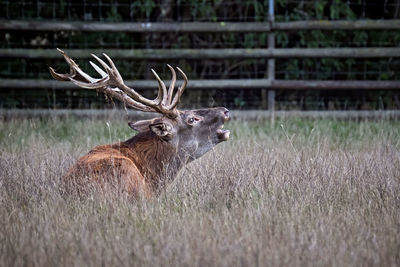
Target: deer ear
<point x="162" y="129"/>
<point x="141" y="126"/>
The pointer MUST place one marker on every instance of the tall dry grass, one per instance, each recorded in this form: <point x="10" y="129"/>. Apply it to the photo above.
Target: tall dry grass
<point x="304" y="192"/>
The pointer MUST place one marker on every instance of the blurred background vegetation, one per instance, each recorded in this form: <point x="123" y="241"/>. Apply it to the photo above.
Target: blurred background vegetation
<point x="206" y="11"/>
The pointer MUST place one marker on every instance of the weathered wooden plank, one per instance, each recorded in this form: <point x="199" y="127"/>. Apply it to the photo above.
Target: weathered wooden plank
<point x="335" y="85"/>
<point x="138" y="53"/>
<point x="147" y="27"/>
<point x="393" y="24"/>
<point x="144" y="27"/>
<point x="344" y="52"/>
<point x="219" y="84"/>
<point x="139" y="84"/>
<point x="159" y="54"/>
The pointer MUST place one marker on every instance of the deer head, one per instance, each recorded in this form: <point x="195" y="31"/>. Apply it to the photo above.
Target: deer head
<point x="191" y="132"/>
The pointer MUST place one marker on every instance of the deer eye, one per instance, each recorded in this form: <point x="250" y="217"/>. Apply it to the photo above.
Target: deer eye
<point x="194" y="120"/>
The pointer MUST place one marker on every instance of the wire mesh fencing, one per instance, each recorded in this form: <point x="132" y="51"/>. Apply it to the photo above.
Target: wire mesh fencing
<point x="385" y="69"/>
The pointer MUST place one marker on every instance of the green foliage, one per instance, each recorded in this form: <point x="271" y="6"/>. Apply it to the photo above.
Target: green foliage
<point x="229" y="39"/>
<point x="319" y="9"/>
<point x="145" y="6"/>
<point x="249" y="40"/>
<point x="260" y="9"/>
<point x="113" y="15"/>
<point x="292" y="70"/>
<point x="239" y="102"/>
<point x="329" y="10"/>
<point x="360" y="38"/>
<point x="203" y="9"/>
<point x="281" y="39"/>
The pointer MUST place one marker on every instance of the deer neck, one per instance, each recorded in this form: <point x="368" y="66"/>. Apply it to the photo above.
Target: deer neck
<point x="156" y="159"/>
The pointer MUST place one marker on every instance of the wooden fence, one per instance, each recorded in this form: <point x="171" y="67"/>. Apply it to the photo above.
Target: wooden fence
<point x="271" y="53"/>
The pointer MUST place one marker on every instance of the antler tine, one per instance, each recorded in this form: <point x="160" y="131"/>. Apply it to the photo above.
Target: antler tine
<point x="98" y="69"/>
<point x="113" y="85"/>
<point x="180" y="90"/>
<point x="98" y="84"/>
<point x="86" y="76"/>
<point x="162" y="90"/>
<point x="102" y="63"/>
<point x="115" y="80"/>
<point x="172" y="85"/>
<point x="74" y="68"/>
<point x="63" y="77"/>
<point x="58" y="76"/>
<point x="114" y="69"/>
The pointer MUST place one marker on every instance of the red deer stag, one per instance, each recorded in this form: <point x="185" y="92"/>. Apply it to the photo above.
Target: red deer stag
<point x="161" y="147"/>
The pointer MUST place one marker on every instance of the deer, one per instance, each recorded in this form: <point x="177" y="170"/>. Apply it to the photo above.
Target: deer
<point x="162" y="146"/>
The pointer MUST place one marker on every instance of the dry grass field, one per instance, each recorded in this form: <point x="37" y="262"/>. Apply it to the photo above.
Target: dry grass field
<point x="301" y="193"/>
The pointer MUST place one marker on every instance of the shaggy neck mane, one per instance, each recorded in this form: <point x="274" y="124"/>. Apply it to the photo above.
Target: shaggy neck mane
<point x="155" y="158"/>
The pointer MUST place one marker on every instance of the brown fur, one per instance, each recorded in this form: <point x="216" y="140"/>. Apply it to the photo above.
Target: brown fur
<point x="137" y="166"/>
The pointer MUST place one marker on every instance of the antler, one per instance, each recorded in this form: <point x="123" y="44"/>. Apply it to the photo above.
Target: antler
<point x="112" y="84"/>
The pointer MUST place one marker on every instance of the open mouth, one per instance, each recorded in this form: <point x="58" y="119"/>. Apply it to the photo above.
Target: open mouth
<point x="222" y="134"/>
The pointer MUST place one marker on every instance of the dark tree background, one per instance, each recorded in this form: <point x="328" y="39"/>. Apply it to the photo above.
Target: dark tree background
<point x="212" y="11"/>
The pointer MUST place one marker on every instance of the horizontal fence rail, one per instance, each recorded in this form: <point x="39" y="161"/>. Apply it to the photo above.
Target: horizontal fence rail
<point x="271" y="53"/>
<point x="219" y="84"/>
<point x="149" y="27"/>
<point x="337" y="25"/>
<point x="145" y="27"/>
<point x="221" y="53"/>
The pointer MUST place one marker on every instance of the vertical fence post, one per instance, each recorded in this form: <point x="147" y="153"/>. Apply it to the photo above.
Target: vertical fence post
<point x="271" y="61"/>
<point x="264" y="99"/>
